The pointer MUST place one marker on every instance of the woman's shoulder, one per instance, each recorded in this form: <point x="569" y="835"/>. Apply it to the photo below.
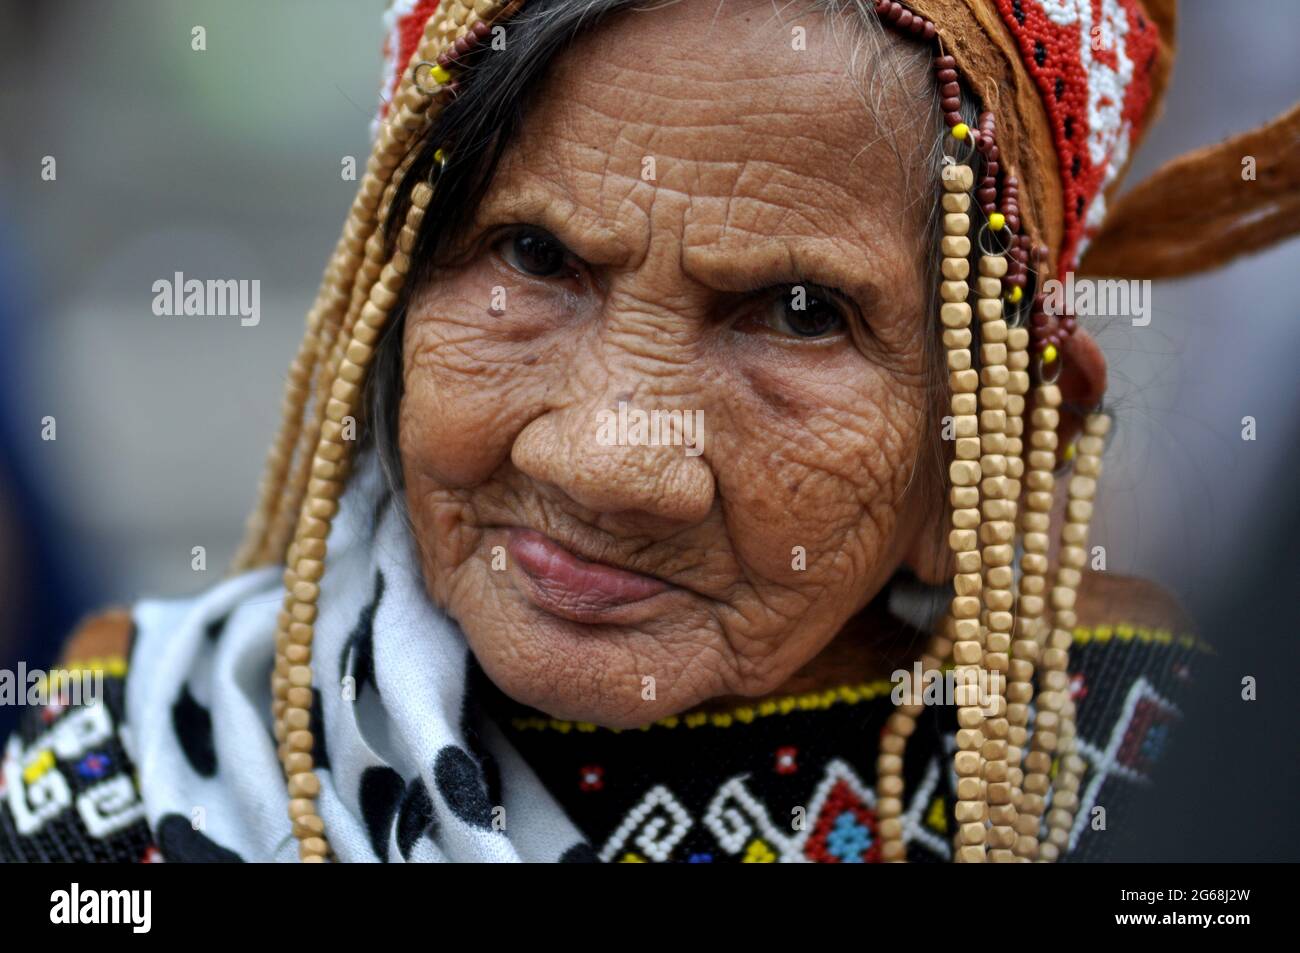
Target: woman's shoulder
<point x="1107" y="598"/>
<point x="68" y="789"/>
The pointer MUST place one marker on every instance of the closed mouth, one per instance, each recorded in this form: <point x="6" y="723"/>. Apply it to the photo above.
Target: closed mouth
<point x="575" y="588"/>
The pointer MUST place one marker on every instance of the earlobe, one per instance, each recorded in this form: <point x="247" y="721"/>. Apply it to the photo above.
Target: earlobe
<point x="929" y="557"/>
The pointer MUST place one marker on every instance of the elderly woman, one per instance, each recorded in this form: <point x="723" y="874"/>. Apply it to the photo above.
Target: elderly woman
<point x="691" y="370"/>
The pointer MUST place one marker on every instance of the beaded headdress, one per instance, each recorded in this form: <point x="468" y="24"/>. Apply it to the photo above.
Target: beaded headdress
<point x="1067" y="88"/>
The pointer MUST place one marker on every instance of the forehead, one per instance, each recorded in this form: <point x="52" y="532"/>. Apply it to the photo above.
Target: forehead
<point x="742" y="118"/>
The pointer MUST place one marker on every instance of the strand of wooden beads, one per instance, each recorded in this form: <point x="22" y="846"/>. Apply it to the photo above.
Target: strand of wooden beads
<point x="964" y="475"/>
<point x="309" y="546"/>
<point x="352" y="278"/>
<point x="292" y="650"/>
<point x="893" y="744"/>
<point x="1056" y="684"/>
<point x="1018" y="672"/>
<point x="997" y="536"/>
<point x="272" y="522"/>
<point x="319" y="475"/>
<point x="1035" y="522"/>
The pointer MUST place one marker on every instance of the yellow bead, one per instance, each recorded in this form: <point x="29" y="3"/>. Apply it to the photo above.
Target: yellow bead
<point x="439" y="156"/>
<point x="42" y="763"/>
<point x="1015" y="295"/>
<point x="1069" y="453"/>
<point x="440" y="75"/>
<point x="1049" y="352"/>
<point x="997" y="221"/>
<point x="959" y="131"/>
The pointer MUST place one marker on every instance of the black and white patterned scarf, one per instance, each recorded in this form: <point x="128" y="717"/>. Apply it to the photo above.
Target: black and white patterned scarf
<point x="410" y="770"/>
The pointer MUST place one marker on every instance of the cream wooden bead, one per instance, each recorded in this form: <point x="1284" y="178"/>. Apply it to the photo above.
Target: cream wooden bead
<point x="953" y="291"/>
<point x="958" y="178"/>
<point x="955" y="314"/>
<point x="955" y="246"/>
<point x="955" y="269"/>
<point x="957" y="337"/>
<point x="956" y="202"/>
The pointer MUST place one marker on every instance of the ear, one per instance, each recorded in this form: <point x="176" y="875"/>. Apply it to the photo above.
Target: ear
<point x="1082" y="383"/>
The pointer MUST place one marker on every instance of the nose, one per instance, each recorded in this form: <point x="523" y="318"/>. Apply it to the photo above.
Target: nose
<point x="609" y="458"/>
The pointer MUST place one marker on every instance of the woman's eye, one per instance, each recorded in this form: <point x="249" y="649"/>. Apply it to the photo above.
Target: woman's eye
<point x="806" y="312"/>
<point x="535" y="253"/>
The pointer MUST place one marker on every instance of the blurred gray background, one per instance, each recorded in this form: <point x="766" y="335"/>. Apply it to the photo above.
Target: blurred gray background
<point x="226" y="163"/>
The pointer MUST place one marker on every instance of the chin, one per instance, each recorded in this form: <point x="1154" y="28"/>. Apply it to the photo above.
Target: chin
<point x="591" y="672"/>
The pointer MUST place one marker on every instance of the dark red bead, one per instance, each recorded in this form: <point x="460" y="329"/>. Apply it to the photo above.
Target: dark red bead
<point x="950" y="104"/>
<point x="953" y="118"/>
<point x="928" y="31"/>
<point x="947" y="76"/>
<point x="904" y="20"/>
<point x="949" y="89"/>
<point x="895" y="12"/>
<point x="945" y="62"/>
<point x="481" y="29"/>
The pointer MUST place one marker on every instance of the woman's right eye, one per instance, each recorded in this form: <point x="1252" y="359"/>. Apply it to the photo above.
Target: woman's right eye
<point x="534" y="252"/>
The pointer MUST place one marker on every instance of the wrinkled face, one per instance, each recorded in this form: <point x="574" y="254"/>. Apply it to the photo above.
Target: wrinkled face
<point x="702" y="223"/>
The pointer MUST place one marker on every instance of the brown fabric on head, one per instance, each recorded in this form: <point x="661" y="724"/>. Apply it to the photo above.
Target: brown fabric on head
<point x="1198" y="211"/>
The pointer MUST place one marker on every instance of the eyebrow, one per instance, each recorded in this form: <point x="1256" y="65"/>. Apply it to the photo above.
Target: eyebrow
<point x="728" y="265"/>
<point x="581" y="232"/>
<point x="829" y="263"/>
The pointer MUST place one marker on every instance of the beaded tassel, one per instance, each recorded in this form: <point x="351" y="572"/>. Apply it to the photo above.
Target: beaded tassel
<point x="308" y="549"/>
<point x="1058" y="731"/>
<point x="1020" y="670"/>
<point x="310" y="458"/>
<point x="964" y="473"/>
<point x="271" y="524"/>
<point x="997" y="536"/>
<point x="889" y="761"/>
<point x="1035" y="521"/>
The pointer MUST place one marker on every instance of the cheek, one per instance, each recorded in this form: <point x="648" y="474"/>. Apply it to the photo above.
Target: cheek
<point x="816" y="463"/>
<point x="473" y="377"/>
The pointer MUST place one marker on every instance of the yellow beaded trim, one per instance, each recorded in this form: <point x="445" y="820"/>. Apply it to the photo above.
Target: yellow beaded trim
<point x="113" y="666"/>
<point x="1126" y="632"/>
<point x="843" y="694"/>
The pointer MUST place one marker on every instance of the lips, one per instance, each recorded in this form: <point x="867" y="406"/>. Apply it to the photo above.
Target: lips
<point x="573" y="588"/>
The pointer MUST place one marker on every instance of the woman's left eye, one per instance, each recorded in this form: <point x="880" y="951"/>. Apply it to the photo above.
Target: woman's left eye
<point x="806" y="311"/>
<point x="534" y="252"/>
